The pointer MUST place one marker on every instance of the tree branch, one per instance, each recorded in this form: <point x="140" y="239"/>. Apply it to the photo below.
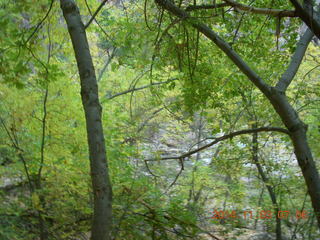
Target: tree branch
<point x="15" y="144"/>
<point x="95" y="13"/>
<point x="296" y="60"/>
<point x="206" y="6"/>
<point x="224" y="137"/>
<point x="142" y="125"/>
<point x="263" y="11"/>
<point x="107" y="64"/>
<point x="139" y="88"/>
<point x="246" y="8"/>
<point x="40" y="23"/>
<point x="308" y="19"/>
<point x="177" y="176"/>
<point x="43" y="136"/>
<point x="99" y="171"/>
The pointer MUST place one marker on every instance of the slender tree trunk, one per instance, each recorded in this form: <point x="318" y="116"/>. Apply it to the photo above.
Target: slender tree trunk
<point x="266" y="181"/>
<point x="198" y="127"/>
<point x="102" y="192"/>
<point x="259" y="204"/>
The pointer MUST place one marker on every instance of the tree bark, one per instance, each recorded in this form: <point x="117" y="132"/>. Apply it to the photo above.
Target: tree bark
<point x="101" y="223"/>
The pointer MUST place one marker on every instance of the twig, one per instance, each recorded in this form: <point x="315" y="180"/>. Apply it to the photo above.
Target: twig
<point x="15" y="144"/>
<point x="95" y="14"/>
<point x="139" y="88"/>
<point x="40" y="23"/>
<point x="179" y="173"/>
<point x="149" y="170"/>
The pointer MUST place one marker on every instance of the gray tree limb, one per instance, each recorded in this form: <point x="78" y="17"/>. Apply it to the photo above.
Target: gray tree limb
<point x="296" y="60"/>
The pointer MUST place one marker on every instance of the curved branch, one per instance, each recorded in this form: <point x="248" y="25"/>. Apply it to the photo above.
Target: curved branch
<point x="177" y="176"/>
<point x="149" y="170"/>
<point x="15" y="144"/>
<point x="224" y="137"/>
<point x="40" y="23"/>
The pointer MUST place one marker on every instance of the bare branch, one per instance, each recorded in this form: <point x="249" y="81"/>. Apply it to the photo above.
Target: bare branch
<point x="95" y="13"/>
<point x="149" y="118"/>
<point x="296" y="60"/>
<point x="40" y="23"/>
<point x="139" y="88"/>
<point x="177" y="176"/>
<point x="224" y="137"/>
<point x="107" y="64"/>
<point x="15" y="144"/>
<point x="263" y="11"/>
<point x="101" y="28"/>
<point x="149" y="170"/>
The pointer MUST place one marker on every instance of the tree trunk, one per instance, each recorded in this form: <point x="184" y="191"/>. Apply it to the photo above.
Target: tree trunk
<point x="266" y="181"/>
<point x="301" y="147"/>
<point x="102" y="192"/>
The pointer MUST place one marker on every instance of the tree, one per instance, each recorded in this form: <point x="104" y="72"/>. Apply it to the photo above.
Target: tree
<point x="276" y="96"/>
<point x="101" y="225"/>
